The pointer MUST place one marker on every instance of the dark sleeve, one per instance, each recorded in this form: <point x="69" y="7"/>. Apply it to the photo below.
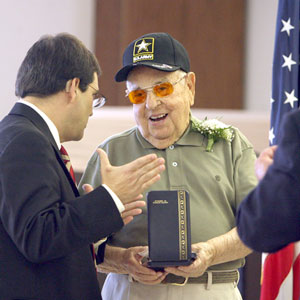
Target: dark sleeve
<point x="100" y="253"/>
<point x="38" y="208"/>
<point x="269" y="217"/>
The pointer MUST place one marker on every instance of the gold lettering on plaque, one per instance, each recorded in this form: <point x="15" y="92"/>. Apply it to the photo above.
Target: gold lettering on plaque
<point x="160" y="202"/>
<point x="183" y="226"/>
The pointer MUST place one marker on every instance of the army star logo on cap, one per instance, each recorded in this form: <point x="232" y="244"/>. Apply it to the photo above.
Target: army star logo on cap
<point x="143" y="49"/>
<point x="143" y="46"/>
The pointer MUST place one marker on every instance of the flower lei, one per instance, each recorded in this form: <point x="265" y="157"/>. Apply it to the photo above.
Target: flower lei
<point x="213" y="129"/>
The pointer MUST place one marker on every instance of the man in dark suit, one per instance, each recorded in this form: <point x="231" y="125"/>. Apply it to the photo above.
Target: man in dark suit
<point x="46" y="228"/>
<point x="269" y="217"/>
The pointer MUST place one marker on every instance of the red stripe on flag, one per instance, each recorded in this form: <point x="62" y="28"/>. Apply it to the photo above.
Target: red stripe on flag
<point x="275" y="269"/>
<point x="296" y="278"/>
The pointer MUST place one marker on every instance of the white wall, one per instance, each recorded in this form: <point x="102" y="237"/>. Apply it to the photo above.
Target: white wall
<point x="22" y="22"/>
<point x="260" y="37"/>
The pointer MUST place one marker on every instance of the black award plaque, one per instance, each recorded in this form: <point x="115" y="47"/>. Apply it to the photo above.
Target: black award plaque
<point x="169" y="229"/>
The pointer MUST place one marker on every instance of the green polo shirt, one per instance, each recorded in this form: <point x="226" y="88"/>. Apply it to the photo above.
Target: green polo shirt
<point x="216" y="181"/>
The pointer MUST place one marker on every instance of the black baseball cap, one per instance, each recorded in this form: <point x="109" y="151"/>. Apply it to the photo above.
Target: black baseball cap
<point x="155" y="50"/>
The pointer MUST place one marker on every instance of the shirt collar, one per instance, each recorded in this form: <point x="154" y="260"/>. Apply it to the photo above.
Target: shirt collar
<point x="189" y="138"/>
<point x="49" y="123"/>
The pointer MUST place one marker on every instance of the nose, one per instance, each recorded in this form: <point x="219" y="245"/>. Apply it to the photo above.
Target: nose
<point x="152" y="101"/>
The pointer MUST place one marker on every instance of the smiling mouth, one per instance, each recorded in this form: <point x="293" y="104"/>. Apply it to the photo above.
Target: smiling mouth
<point x="158" y="118"/>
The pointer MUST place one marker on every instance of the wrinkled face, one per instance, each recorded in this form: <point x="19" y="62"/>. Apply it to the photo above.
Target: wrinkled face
<point x="162" y="120"/>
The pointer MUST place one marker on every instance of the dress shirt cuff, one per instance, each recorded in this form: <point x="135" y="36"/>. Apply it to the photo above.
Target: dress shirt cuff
<point x="118" y="202"/>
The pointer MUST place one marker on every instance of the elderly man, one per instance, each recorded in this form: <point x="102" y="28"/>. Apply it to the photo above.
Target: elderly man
<point x="46" y="227"/>
<point x="217" y="176"/>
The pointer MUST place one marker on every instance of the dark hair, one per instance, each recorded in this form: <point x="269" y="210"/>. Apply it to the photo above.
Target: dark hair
<point x="51" y="62"/>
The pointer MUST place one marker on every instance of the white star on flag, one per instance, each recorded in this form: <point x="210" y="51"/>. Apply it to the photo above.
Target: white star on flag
<point x="143" y="46"/>
<point x="288" y="62"/>
<point x="272" y="100"/>
<point x="271" y="135"/>
<point x="287" y="26"/>
<point x="290" y="98"/>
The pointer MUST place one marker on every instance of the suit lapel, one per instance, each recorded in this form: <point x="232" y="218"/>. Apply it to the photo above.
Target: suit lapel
<point x="27" y="112"/>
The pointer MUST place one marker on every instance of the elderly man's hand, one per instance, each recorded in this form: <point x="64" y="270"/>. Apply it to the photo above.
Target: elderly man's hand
<point x="129" y="261"/>
<point x="220" y="249"/>
<point x="130" y="180"/>
<point x="264" y="161"/>
<point x="205" y="254"/>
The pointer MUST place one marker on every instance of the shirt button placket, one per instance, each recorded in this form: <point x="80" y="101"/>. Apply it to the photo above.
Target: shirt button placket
<point x="173" y="157"/>
<point x="174" y="163"/>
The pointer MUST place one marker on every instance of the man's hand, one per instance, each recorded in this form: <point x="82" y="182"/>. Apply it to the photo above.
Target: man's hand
<point x="130" y="180"/>
<point x="264" y="161"/>
<point x="130" y="261"/>
<point x="131" y="209"/>
<point x="220" y="249"/>
<point x="203" y="260"/>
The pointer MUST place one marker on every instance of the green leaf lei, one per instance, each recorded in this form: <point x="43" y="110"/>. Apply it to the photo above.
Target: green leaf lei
<point x="213" y="129"/>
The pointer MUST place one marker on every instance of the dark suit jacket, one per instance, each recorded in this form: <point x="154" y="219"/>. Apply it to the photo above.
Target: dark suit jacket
<point x="269" y="217"/>
<point x="45" y="226"/>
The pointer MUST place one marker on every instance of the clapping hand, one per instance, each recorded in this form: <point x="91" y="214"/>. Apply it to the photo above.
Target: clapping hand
<point x="131" y="209"/>
<point x="130" y="180"/>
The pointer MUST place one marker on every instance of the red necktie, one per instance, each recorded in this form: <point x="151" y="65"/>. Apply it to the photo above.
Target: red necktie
<point x="66" y="159"/>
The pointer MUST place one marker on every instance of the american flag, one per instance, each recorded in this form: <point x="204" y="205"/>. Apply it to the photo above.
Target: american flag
<point x="281" y="270"/>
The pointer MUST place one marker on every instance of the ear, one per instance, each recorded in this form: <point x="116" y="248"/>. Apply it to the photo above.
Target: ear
<point x="71" y="87"/>
<point x="191" y="83"/>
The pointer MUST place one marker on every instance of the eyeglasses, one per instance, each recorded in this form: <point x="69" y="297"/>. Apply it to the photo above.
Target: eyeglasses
<point x="160" y="90"/>
<point x="99" y="100"/>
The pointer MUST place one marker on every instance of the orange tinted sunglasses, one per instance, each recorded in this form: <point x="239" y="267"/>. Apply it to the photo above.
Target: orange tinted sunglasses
<point x="160" y="90"/>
